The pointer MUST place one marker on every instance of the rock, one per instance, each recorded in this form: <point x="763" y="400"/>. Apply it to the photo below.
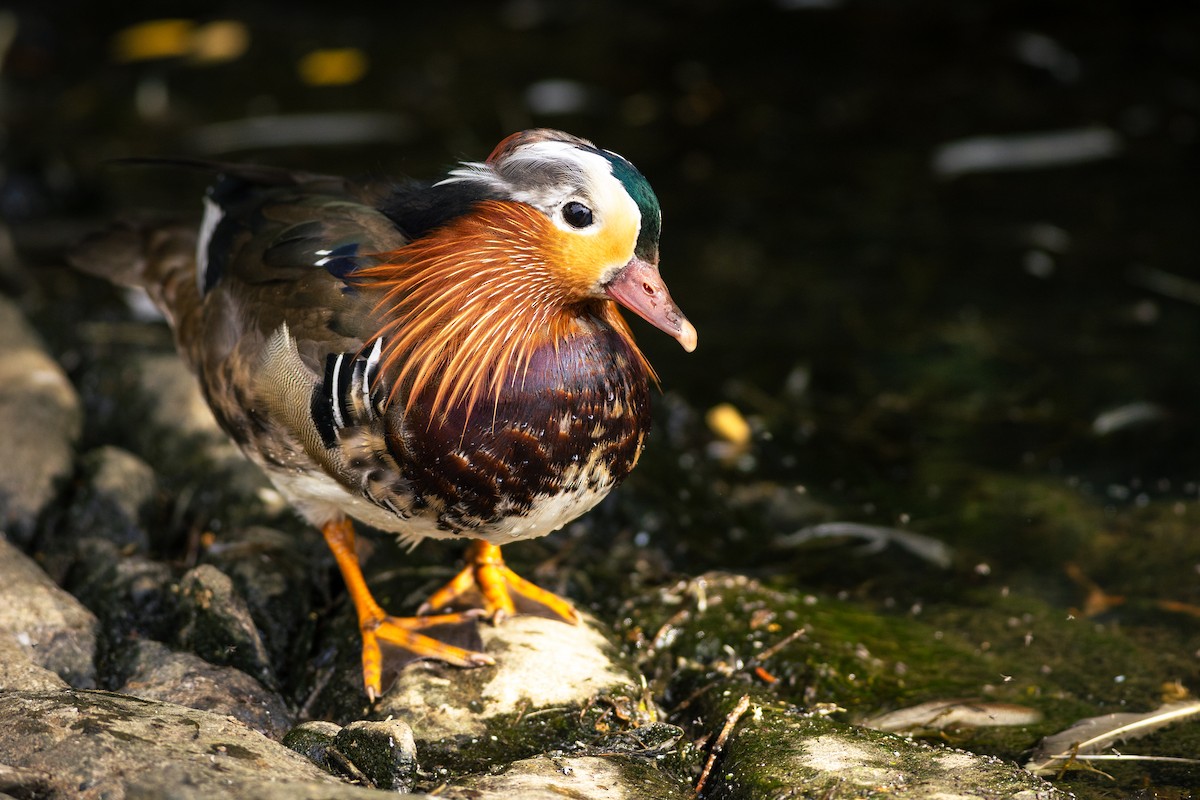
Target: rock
<point x="553" y="778"/>
<point x="540" y="664"/>
<point x="157" y="673"/>
<point x="116" y="500"/>
<point x="179" y="429"/>
<point x="19" y="672"/>
<point x="18" y="784"/>
<point x="775" y="749"/>
<point x="146" y="400"/>
<point x="56" y="631"/>
<point x="217" y="624"/>
<point x="729" y="651"/>
<point x="178" y="404"/>
<point x="132" y="595"/>
<point x="91" y="745"/>
<point x="384" y="751"/>
<point x="40" y="423"/>
<point x="274" y="572"/>
<point x="265" y="790"/>
<point x="312" y="740"/>
<point x="554" y="688"/>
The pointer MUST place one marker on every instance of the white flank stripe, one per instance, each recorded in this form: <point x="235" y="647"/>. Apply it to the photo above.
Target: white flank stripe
<point x="333" y="392"/>
<point x="372" y="363"/>
<point x="208" y="224"/>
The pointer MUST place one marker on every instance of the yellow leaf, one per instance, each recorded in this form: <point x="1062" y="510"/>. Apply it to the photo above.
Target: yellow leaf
<point x="158" y="38"/>
<point x="333" y="67"/>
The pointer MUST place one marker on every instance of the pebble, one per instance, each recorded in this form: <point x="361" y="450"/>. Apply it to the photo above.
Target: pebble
<point x="384" y="751"/>
<point x="217" y="624"/>
<point x="312" y="740"/>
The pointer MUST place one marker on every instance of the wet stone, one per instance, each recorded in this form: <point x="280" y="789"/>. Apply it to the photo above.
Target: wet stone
<point x="384" y="751"/>
<point x="157" y="673"/>
<point x="89" y="745"/>
<point x="312" y="740"/>
<point x="217" y="624"/>
<point x="775" y="749"/>
<point x="19" y="672"/>
<point x="131" y="594"/>
<point x="178" y="429"/>
<point x="57" y="632"/>
<point x="540" y="663"/>
<point x="117" y="498"/>
<point x="554" y="687"/>
<point x="552" y="778"/>
<point x="40" y="423"/>
<point x="273" y="571"/>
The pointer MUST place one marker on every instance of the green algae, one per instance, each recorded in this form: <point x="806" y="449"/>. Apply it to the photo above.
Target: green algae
<point x="778" y="750"/>
<point x="711" y="639"/>
<point x="812" y="650"/>
<point x="591" y="730"/>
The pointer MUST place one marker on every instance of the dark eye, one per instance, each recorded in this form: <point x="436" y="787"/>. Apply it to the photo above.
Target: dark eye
<point x="577" y="215"/>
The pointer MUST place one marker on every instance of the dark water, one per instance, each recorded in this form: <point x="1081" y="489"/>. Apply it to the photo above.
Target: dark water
<point x="998" y="354"/>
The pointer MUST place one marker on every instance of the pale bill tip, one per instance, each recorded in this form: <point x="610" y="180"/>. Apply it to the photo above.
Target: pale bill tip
<point x="686" y="335"/>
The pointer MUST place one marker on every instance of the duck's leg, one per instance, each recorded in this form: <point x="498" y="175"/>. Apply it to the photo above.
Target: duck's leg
<point x="488" y="582"/>
<point x="377" y="626"/>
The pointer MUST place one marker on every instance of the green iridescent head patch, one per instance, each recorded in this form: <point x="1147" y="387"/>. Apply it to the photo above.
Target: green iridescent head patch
<point x="639" y="189"/>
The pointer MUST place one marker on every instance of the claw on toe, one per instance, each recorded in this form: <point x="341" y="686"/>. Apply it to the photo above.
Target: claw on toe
<point x="404" y="635"/>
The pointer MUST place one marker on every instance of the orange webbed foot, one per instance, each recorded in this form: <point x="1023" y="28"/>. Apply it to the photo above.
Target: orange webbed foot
<point x="487" y="583"/>
<point x="406" y="638"/>
<point x="405" y="635"/>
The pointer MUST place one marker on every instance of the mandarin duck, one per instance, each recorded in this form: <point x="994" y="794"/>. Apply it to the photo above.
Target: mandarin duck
<point x="441" y="360"/>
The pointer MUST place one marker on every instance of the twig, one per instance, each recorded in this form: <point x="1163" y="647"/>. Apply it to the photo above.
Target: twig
<point x="691" y="698"/>
<point x="521" y="713"/>
<point x="319" y="685"/>
<point x="730" y="723"/>
<point x="782" y="643"/>
<point x="1093" y="734"/>
<point x="541" y="712"/>
<point x="341" y="762"/>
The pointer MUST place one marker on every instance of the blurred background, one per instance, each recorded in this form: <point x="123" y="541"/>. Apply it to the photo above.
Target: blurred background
<point x="943" y="257"/>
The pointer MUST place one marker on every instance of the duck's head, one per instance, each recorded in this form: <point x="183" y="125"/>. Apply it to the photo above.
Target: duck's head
<point x="514" y="252"/>
<point x="600" y="220"/>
